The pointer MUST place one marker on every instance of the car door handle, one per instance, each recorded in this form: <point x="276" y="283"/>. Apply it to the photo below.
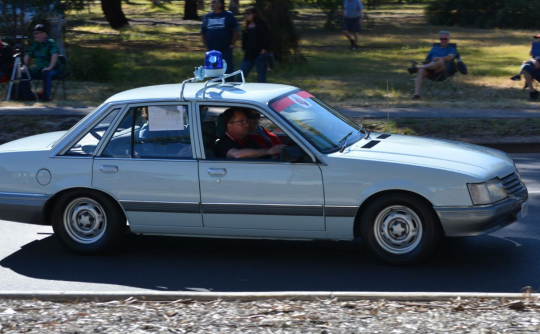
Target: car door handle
<point x="217" y="171"/>
<point x="109" y="169"/>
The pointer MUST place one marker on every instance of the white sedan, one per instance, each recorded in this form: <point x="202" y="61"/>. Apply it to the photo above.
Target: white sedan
<point x="154" y="161"/>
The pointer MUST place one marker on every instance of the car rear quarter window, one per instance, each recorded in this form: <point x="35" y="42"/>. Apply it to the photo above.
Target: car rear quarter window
<point x="87" y="144"/>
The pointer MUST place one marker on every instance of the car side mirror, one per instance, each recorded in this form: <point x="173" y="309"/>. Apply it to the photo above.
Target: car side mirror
<point x="293" y="153"/>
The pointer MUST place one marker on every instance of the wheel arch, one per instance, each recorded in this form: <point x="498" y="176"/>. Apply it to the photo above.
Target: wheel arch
<point x="51" y="202"/>
<point x="374" y="197"/>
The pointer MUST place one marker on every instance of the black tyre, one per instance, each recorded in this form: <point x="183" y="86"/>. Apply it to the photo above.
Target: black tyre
<point x="86" y="222"/>
<point x="400" y="229"/>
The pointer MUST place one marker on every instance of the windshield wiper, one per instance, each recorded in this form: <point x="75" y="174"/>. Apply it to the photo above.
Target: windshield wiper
<point x="345" y="139"/>
<point x="365" y="131"/>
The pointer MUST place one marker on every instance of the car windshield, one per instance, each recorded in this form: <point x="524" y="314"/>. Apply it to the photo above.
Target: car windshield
<point x="324" y="127"/>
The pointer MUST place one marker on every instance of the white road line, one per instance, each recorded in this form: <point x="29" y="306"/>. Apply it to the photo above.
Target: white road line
<point x="534" y="192"/>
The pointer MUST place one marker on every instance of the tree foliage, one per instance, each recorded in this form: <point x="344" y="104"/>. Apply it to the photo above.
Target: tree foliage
<point x="522" y="14"/>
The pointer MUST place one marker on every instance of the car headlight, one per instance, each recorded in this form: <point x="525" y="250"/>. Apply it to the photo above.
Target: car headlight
<point x="488" y="192"/>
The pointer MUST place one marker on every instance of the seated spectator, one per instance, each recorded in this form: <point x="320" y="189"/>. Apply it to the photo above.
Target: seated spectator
<point x="534" y="53"/>
<point x="531" y="71"/>
<point x="235" y="143"/>
<point x="259" y="135"/>
<point x="45" y="51"/>
<point x="6" y="58"/>
<point x="437" y="63"/>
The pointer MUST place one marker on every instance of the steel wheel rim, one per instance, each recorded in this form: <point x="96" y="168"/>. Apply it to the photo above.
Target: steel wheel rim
<point x="398" y="229"/>
<point x="85" y="220"/>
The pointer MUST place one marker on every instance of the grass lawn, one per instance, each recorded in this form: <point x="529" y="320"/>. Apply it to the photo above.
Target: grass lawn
<point x="159" y="47"/>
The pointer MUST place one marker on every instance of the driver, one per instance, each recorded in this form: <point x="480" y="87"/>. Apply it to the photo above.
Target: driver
<point x="235" y="144"/>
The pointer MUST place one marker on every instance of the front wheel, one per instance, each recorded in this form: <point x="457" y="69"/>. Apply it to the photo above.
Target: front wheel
<point x="86" y="222"/>
<point x="400" y="229"/>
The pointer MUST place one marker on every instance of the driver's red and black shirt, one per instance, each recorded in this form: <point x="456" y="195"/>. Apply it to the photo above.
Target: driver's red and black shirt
<point x="228" y="142"/>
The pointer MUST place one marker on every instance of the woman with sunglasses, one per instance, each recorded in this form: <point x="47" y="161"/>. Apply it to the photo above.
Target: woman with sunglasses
<point x="256" y="44"/>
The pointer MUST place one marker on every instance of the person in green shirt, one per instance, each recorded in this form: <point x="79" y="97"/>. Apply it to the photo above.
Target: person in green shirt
<point x="46" y="67"/>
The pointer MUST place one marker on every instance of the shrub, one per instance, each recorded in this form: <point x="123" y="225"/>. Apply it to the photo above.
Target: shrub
<point x="91" y="64"/>
<point x="522" y="14"/>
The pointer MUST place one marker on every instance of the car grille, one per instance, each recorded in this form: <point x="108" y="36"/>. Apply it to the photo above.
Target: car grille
<point x="513" y="184"/>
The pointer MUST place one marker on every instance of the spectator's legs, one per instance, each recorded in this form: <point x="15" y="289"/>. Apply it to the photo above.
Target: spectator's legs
<point x="349" y="37"/>
<point x="228" y="57"/>
<point x="422" y="73"/>
<point x="356" y="39"/>
<point x="48" y="76"/>
<point x="528" y="80"/>
<point x="246" y="66"/>
<point x="438" y="65"/>
<point x="261" y="68"/>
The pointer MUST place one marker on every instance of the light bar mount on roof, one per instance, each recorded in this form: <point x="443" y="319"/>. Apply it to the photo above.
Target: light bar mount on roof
<point x="222" y="78"/>
<point x="214" y="67"/>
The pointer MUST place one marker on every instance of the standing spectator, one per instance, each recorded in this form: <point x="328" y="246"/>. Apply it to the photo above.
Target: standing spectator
<point x="256" y="44"/>
<point x="45" y="52"/>
<point x="352" y="20"/>
<point x="220" y="32"/>
<point x="6" y="58"/>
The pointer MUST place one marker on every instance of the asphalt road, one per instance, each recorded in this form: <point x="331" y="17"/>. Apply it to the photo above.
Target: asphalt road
<point x="32" y="260"/>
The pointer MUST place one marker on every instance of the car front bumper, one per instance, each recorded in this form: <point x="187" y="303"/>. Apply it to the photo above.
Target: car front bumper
<point x="23" y="208"/>
<point x="480" y="220"/>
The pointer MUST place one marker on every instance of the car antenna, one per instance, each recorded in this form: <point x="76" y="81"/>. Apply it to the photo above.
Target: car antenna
<point x="387" y="110"/>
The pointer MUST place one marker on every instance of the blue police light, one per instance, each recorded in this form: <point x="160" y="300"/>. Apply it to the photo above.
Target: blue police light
<point x="213" y="60"/>
<point x="214" y="64"/>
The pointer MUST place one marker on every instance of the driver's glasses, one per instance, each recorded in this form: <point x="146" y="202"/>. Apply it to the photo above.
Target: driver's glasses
<point x="242" y="122"/>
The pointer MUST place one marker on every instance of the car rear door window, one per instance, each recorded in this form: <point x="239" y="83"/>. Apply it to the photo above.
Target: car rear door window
<point x="152" y="132"/>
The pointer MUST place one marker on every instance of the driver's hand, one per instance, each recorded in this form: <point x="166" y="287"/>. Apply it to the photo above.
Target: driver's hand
<point x="276" y="149"/>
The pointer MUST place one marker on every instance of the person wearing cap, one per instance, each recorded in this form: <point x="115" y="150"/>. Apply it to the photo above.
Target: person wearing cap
<point x="6" y="58"/>
<point x="46" y="68"/>
<point x="259" y="135"/>
<point x="220" y="31"/>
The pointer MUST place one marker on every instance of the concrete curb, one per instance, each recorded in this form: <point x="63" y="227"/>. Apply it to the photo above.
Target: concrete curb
<point x="252" y="296"/>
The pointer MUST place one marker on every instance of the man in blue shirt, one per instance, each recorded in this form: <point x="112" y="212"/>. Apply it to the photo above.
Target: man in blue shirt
<point x="352" y="20"/>
<point x="438" y="60"/>
<point x="220" y="32"/>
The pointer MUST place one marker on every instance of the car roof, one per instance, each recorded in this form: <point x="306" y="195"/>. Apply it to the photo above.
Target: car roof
<point x="252" y="92"/>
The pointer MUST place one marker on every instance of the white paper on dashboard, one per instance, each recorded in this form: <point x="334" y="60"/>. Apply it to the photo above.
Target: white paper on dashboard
<point x="166" y="118"/>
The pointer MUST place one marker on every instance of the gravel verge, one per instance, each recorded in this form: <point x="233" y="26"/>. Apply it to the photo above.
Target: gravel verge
<point x="324" y="316"/>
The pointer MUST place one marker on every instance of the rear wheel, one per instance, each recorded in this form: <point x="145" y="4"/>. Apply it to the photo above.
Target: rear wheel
<point x="86" y="222"/>
<point x="399" y="229"/>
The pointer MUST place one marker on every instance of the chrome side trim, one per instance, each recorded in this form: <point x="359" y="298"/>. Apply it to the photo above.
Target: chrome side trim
<point x="145" y="159"/>
<point x="149" y="206"/>
<point x="340" y="211"/>
<point x="22" y="207"/>
<point x="263" y="209"/>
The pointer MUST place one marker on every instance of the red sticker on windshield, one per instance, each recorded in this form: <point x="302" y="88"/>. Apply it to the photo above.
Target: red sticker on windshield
<point x="298" y="98"/>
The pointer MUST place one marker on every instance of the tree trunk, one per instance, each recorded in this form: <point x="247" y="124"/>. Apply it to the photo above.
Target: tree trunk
<point x="55" y="32"/>
<point x="234" y="7"/>
<point x="190" y="10"/>
<point x="114" y="14"/>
